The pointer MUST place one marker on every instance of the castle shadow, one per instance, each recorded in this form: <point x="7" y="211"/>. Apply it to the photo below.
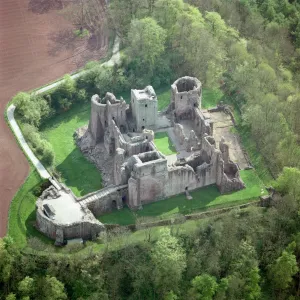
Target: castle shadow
<point x="79" y="174"/>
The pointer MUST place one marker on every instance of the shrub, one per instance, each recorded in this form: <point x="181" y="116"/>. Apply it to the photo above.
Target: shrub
<point x="28" y="130"/>
<point x="81" y="33"/>
<point x="32" y="136"/>
<point x="81" y="96"/>
<point x="68" y="87"/>
<point x="91" y="64"/>
<point x="62" y="97"/>
<point x="48" y="155"/>
<point x="64" y="104"/>
<point x="31" y="108"/>
<point x="42" y="148"/>
<point x="109" y="79"/>
<point x="38" y="189"/>
<point x="103" y="80"/>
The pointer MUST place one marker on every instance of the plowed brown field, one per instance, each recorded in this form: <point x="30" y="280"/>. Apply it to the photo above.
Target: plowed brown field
<point x="37" y="46"/>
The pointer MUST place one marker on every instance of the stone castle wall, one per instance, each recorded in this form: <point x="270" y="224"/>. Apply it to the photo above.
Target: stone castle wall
<point x="141" y="174"/>
<point x="148" y="178"/>
<point x="102" y="115"/>
<point x="86" y="228"/>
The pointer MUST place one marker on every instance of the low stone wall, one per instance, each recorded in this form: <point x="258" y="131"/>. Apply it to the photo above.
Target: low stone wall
<point x="86" y="229"/>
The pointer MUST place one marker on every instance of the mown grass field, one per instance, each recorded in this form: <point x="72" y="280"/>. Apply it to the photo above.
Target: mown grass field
<point x="164" y="144"/>
<point x="76" y="171"/>
<point x="203" y="199"/>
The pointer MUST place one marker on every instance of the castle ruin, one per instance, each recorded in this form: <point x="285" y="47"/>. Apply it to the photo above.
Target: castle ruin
<point x="137" y="173"/>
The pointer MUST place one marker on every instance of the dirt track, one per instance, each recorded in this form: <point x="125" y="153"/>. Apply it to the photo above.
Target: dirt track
<point x="37" y="45"/>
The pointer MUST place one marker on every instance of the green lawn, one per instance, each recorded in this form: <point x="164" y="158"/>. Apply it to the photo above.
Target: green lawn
<point x="164" y="144"/>
<point x="203" y="199"/>
<point x="210" y="98"/>
<point x="77" y="172"/>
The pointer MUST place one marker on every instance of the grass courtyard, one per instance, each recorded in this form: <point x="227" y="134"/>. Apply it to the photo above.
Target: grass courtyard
<point x="164" y="144"/>
<point x="203" y="199"/>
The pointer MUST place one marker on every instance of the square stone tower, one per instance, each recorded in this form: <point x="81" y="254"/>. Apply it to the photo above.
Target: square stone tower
<point x="144" y="108"/>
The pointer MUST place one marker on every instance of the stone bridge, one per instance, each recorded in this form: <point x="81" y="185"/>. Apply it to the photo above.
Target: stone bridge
<point x="105" y="199"/>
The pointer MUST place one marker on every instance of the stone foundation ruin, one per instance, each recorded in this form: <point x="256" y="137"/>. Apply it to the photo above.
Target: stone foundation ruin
<point x="120" y="140"/>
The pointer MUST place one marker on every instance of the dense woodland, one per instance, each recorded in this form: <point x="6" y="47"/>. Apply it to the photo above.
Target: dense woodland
<point x="251" y="50"/>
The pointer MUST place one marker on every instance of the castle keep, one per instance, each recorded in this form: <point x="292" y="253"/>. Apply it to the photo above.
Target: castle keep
<point x="136" y="172"/>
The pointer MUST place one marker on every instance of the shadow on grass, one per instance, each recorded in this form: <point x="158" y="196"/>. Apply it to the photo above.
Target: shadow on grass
<point x="79" y="174"/>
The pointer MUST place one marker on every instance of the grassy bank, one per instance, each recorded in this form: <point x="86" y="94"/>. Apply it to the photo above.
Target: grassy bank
<point x="22" y="214"/>
<point x="204" y="198"/>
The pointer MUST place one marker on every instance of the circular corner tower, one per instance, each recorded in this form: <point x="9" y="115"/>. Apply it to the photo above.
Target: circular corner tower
<point x="186" y="96"/>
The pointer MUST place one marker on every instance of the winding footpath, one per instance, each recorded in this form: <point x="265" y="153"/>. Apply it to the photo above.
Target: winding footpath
<point x="17" y="131"/>
<point x="115" y="59"/>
